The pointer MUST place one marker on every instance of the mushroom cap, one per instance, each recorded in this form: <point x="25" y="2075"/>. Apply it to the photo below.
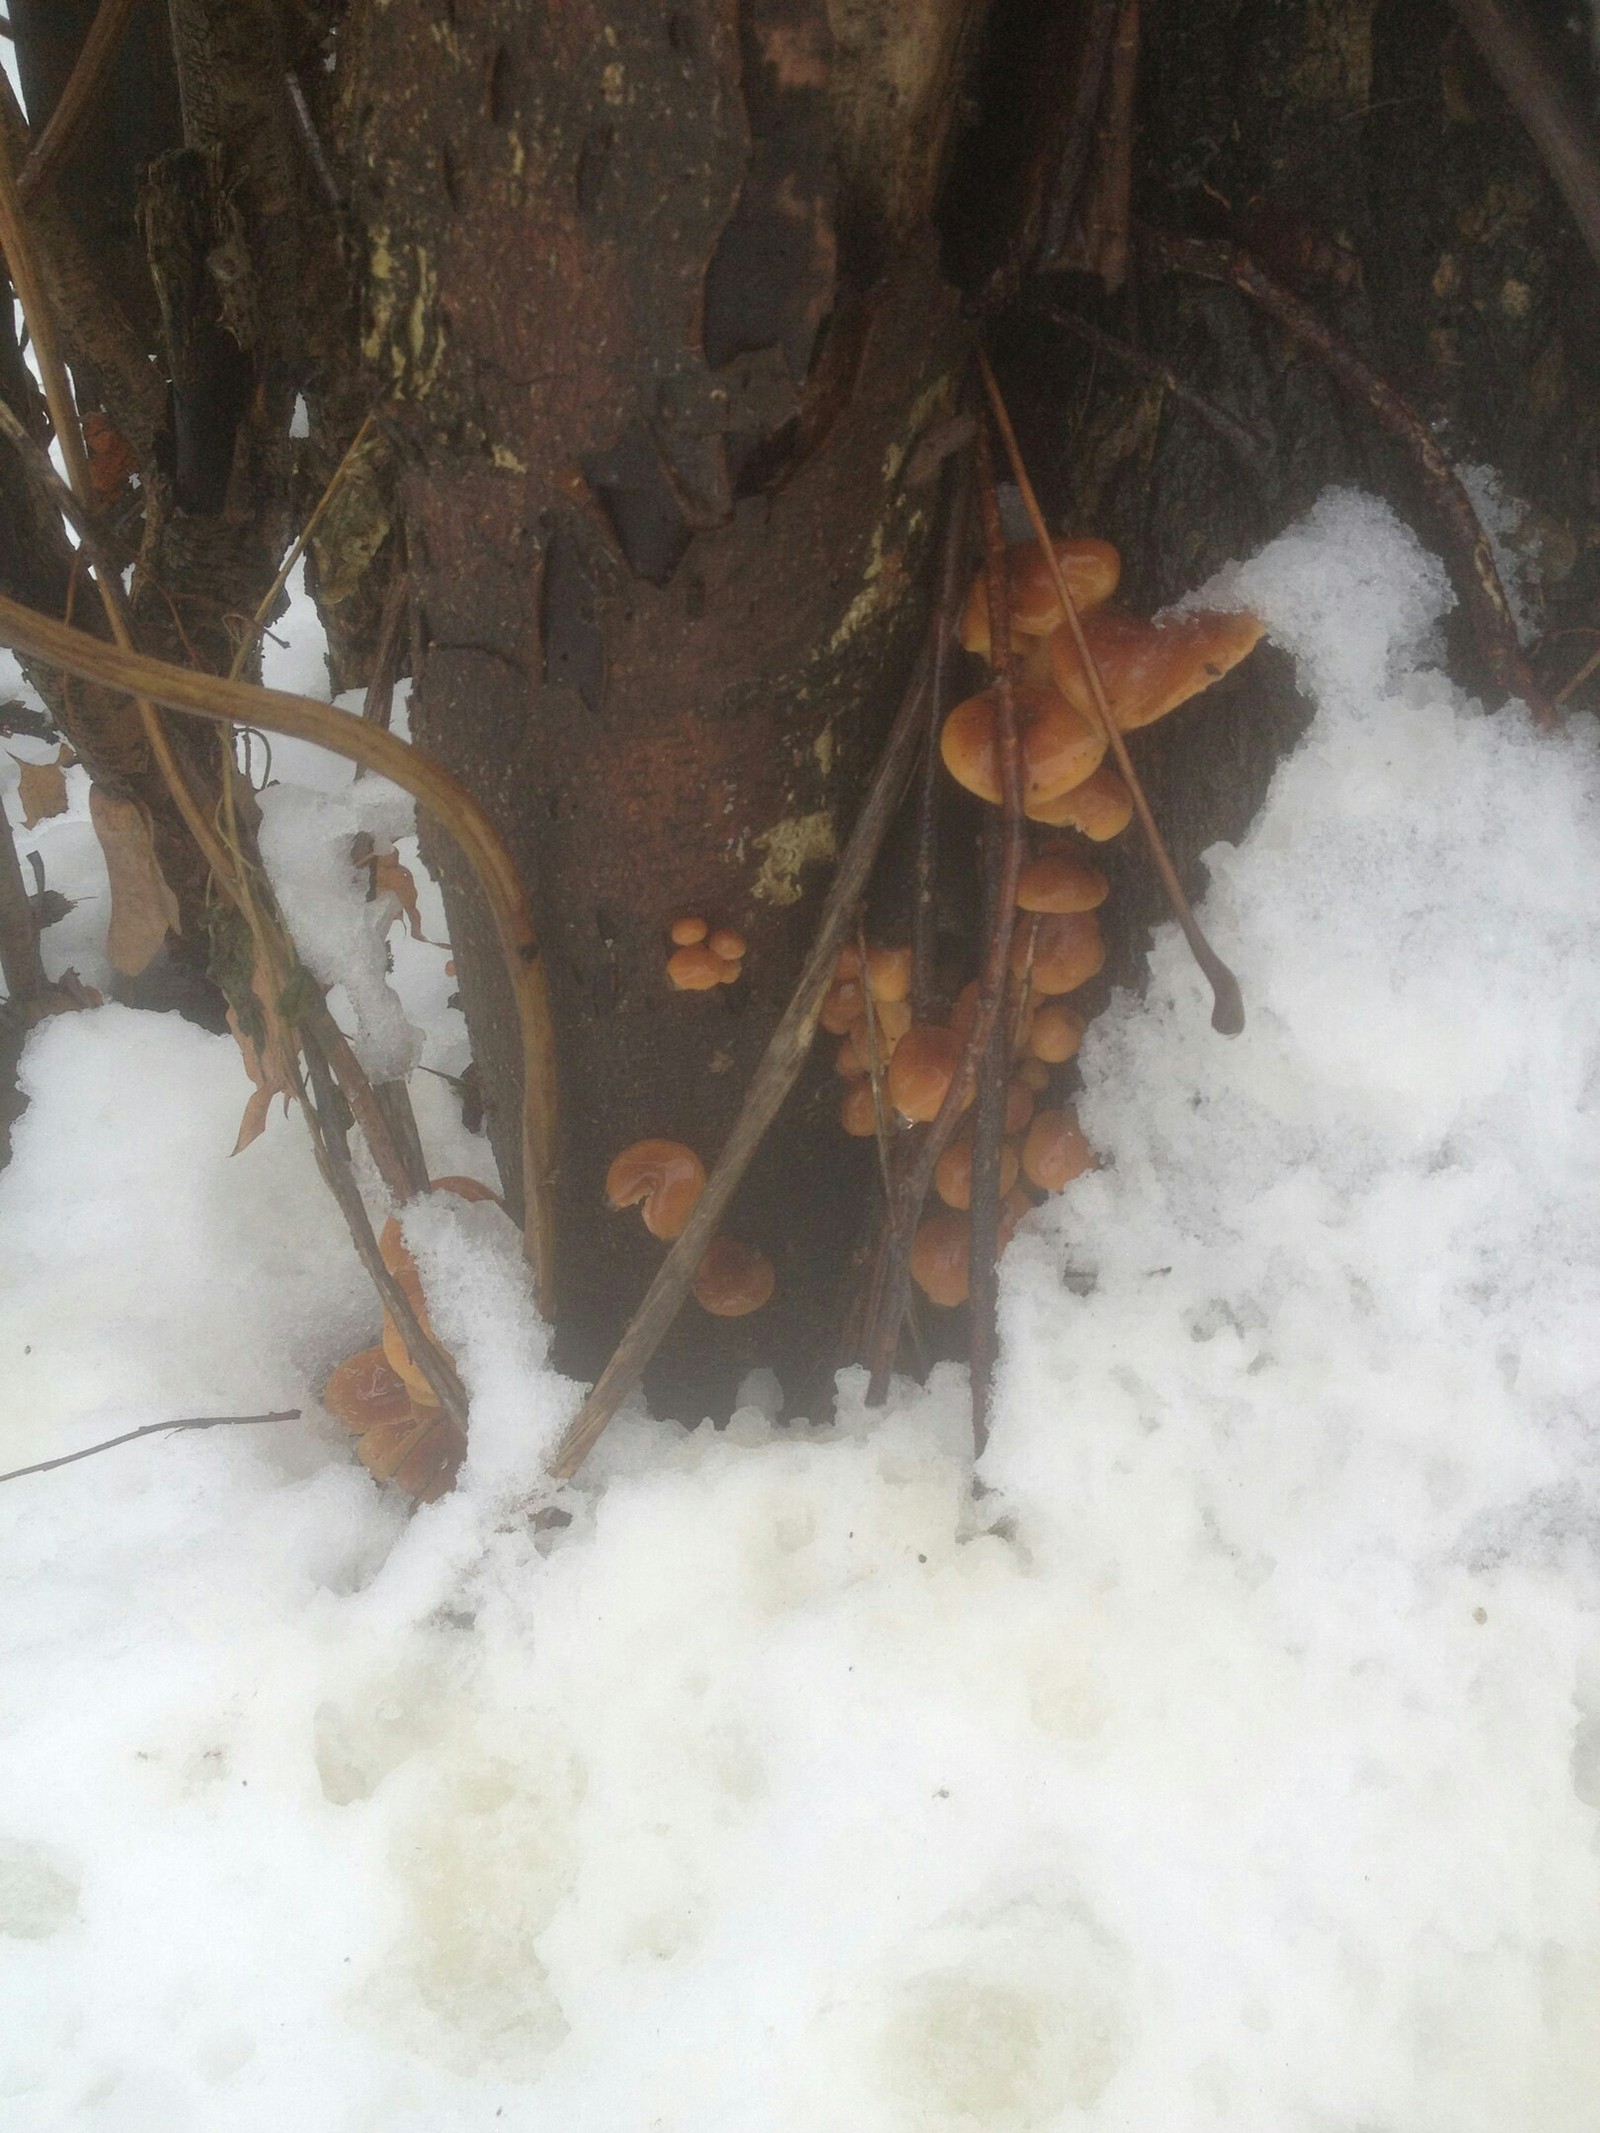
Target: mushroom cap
<point x="1101" y="807"/>
<point x="939" y="1256"/>
<point x="891" y="1020"/>
<point x="365" y="1390"/>
<point x="1067" y="952"/>
<point x="1149" y="668"/>
<point x="421" y="1455"/>
<point x="1055" y="1034"/>
<point x="889" y="974"/>
<point x="728" y="944"/>
<point x="1060" y="746"/>
<point x="699" y="968"/>
<point x="666" y="1176"/>
<point x="688" y="932"/>
<point x="1091" y="569"/>
<point x="856" y="1113"/>
<point x="844" y="1002"/>
<point x="1061" y="881"/>
<point x="734" y="1279"/>
<point x="923" y="1066"/>
<point x="1034" y="1074"/>
<point x="952" y="1176"/>
<point x="1055" y="1151"/>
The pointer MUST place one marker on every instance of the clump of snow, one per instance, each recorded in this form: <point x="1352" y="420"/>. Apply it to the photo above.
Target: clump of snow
<point x="1228" y="1760"/>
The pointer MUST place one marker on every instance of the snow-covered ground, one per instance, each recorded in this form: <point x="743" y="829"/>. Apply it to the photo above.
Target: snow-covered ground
<point x="1230" y="1759"/>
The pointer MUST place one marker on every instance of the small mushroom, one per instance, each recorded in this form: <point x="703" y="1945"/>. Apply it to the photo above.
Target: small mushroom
<point x="1149" y="668"/>
<point x="1060" y="746"/>
<point x="728" y="944"/>
<point x="857" y="1114"/>
<point x="1055" y="1151"/>
<point x="845" y="1002"/>
<point x="889" y="974"/>
<point x="415" y="1447"/>
<point x="699" y="968"/>
<point x="1035" y="1075"/>
<point x="939" y="1257"/>
<point x="891" y="1021"/>
<point x="1055" y="1035"/>
<point x="734" y="1279"/>
<point x="952" y="1176"/>
<point x="1067" y="952"/>
<point x="1101" y="807"/>
<point x="1091" y="569"/>
<point x="923" y="1066"/>
<point x="1060" y="881"/>
<point x="688" y="932"/>
<point x="665" y="1176"/>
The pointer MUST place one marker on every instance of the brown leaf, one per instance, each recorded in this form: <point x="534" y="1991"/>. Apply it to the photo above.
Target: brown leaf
<point x="269" y="1065"/>
<point x="143" y="908"/>
<point x="388" y="873"/>
<point x="42" y="790"/>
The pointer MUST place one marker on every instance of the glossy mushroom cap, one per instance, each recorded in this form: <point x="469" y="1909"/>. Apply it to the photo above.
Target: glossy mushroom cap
<point x="889" y="974"/>
<point x="1055" y="1151"/>
<point x="1149" y="668"/>
<point x="1067" y="952"/>
<point x="728" y="944"/>
<point x="665" y="1176"/>
<point x="1060" y="746"/>
<point x="688" y="932"/>
<point x="699" y="968"/>
<point x="923" y="1066"/>
<point x="952" y="1177"/>
<point x="1060" y="881"/>
<point x="1091" y="569"/>
<point x="1101" y="807"/>
<point x="734" y="1279"/>
<point x="939" y="1257"/>
<point x="1055" y="1034"/>
<point x="397" y="1258"/>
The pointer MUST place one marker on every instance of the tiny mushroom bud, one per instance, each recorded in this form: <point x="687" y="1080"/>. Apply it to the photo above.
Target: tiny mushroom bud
<point x="728" y="944"/>
<point x="1102" y="807"/>
<point x="889" y="973"/>
<point x="939" y="1256"/>
<point x="665" y="1176"/>
<point x="856" y="1113"/>
<point x="921" y="1070"/>
<point x="1055" y="1036"/>
<point x="1091" y="569"/>
<point x="1067" y="952"/>
<point x="699" y="968"/>
<point x="1055" y="1151"/>
<point x="1060" y="746"/>
<point x="1149" y="668"/>
<point x="1060" y="881"/>
<point x="734" y="1279"/>
<point x="952" y="1175"/>
<point x="688" y="932"/>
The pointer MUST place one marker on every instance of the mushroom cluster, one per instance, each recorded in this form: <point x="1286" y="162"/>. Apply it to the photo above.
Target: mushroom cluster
<point x="664" y="1179"/>
<point x="898" y="1071"/>
<point x="701" y="958"/>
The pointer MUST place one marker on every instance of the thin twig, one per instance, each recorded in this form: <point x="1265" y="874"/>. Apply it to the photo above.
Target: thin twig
<point x="315" y="152"/>
<point x="774" y="1077"/>
<point x="1250" y="447"/>
<point x="883" y="1339"/>
<point x="75" y="105"/>
<point x="237" y="703"/>
<point x="1542" y="103"/>
<point x="1227" y="1013"/>
<point x="1493" y="622"/>
<point x="150" y="1429"/>
<point x="268" y="600"/>
<point x="1079" y="138"/>
<point x="924" y="904"/>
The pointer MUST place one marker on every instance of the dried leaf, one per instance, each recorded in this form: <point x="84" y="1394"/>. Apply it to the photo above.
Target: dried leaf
<point x="388" y="873"/>
<point x="42" y="790"/>
<point x="143" y="907"/>
<point x="270" y="1064"/>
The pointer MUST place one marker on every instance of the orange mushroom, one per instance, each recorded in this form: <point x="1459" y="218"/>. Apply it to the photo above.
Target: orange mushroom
<point x="1091" y="569"/>
<point x="891" y="1021"/>
<point x="397" y="1258"/>
<point x="952" y="1176"/>
<point x="665" y="1176"/>
<point x="688" y="932"/>
<point x="734" y="1279"/>
<point x="1060" y="746"/>
<point x="889" y="974"/>
<point x="939" y="1257"/>
<point x="417" y="1448"/>
<point x="857" y="1114"/>
<point x="1055" y="1151"/>
<point x="1067" y="952"/>
<point x="845" y="1002"/>
<point x="1056" y="1034"/>
<point x="1035" y="1075"/>
<point x="728" y="944"/>
<point x="1102" y="807"/>
<point x="923" y="1066"/>
<point x="1149" y="668"/>
<point x="1060" y="881"/>
<point x="699" y="968"/>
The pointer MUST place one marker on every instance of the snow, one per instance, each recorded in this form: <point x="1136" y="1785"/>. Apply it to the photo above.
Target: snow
<point x="1227" y="1758"/>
